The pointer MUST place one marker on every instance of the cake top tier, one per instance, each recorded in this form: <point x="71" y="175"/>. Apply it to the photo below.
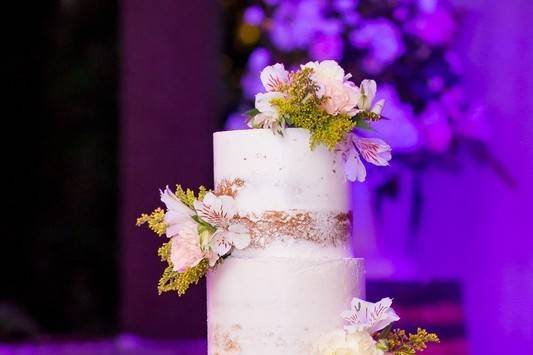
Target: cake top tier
<point x="293" y="199"/>
<point x="279" y="173"/>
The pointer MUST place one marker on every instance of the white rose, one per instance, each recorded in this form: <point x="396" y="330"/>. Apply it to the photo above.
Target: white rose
<point x="340" y="343"/>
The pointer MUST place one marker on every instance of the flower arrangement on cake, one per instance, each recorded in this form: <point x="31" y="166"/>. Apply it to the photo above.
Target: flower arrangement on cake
<point x="333" y="118"/>
<point x="368" y="331"/>
<point x="320" y="97"/>
<point x="201" y="231"/>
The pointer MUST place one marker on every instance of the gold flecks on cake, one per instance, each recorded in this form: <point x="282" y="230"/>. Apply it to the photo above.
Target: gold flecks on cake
<point x="229" y="187"/>
<point x="225" y="341"/>
<point x="326" y="229"/>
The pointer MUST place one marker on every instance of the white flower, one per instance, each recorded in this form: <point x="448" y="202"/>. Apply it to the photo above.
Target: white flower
<point x="268" y="116"/>
<point x="327" y="71"/>
<point x="219" y="212"/>
<point x="342" y="95"/>
<point x="369" y="317"/>
<point x="235" y="235"/>
<point x="274" y="77"/>
<point x="373" y="150"/>
<point x="353" y="147"/>
<point x="378" y="107"/>
<point x="216" y="210"/>
<point x="368" y="93"/>
<point x="178" y="215"/>
<point x="340" y="343"/>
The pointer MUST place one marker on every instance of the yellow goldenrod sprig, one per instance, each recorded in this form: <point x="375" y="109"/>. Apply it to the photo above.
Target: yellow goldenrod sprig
<point x="188" y="197"/>
<point x="155" y="220"/>
<point x="179" y="281"/>
<point x="301" y="107"/>
<point x="398" y="342"/>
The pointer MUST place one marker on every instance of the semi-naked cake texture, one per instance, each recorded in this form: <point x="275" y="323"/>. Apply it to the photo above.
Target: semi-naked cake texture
<point x="290" y="285"/>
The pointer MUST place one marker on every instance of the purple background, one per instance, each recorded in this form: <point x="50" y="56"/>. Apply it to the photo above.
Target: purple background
<point x="475" y="228"/>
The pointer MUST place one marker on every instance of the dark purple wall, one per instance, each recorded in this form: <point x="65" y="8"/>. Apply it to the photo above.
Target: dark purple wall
<point x="168" y="115"/>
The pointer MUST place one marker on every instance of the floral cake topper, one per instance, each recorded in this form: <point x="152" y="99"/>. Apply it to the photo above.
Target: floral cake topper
<point x="321" y="98"/>
<point x="368" y="331"/>
<point x="201" y="230"/>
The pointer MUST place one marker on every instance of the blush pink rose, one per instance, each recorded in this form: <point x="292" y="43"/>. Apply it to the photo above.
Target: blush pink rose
<point x="342" y="98"/>
<point x="185" y="251"/>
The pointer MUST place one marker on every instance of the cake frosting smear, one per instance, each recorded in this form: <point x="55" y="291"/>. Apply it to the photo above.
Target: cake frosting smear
<point x="273" y="237"/>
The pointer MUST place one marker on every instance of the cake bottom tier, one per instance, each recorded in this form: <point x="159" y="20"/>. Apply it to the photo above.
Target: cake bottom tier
<point x="278" y="306"/>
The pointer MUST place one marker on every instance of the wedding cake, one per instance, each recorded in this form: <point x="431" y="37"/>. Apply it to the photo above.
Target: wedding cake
<point x="289" y="286"/>
<point x="273" y="235"/>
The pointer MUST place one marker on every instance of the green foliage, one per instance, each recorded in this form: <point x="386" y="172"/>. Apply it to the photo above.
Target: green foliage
<point x="302" y="108"/>
<point x="398" y="342"/>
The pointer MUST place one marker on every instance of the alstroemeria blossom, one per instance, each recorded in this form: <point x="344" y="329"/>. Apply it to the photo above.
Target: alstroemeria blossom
<point x="274" y="77"/>
<point x="369" y="317"/>
<point x="353" y="147"/>
<point x="268" y="116"/>
<point x="216" y="210"/>
<point x="354" y="170"/>
<point x="219" y="212"/>
<point x="236" y="235"/>
<point x="373" y="150"/>
<point x="178" y="215"/>
<point x="341" y="343"/>
<point x="368" y="93"/>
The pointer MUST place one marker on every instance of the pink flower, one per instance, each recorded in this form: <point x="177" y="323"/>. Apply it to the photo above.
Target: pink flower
<point x="354" y="170"/>
<point x="342" y="95"/>
<point x="342" y="98"/>
<point x="274" y="77"/>
<point x="185" y="250"/>
<point x="373" y="150"/>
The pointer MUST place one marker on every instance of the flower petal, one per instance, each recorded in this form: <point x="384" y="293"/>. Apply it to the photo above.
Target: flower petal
<point x="374" y="150"/>
<point x="221" y="243"/>
<point x="274" y="77"/>
<point x="240" y="238"/>
<point x="263" y="102"/>
<point x="378" y="107"/>
<point x="369" y="317"/>
<point x="353" y="167"/>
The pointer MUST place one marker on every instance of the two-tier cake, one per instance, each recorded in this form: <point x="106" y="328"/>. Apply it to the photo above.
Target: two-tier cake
<point x="289" y="286"/>
<point x="273" y="236"/>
